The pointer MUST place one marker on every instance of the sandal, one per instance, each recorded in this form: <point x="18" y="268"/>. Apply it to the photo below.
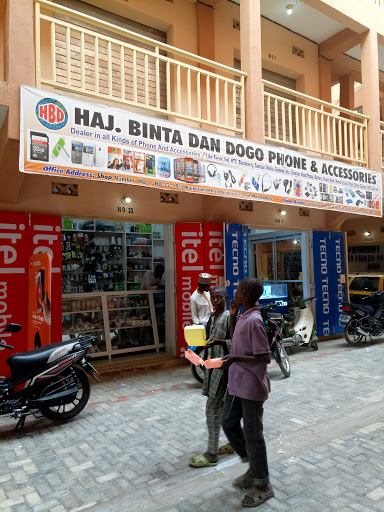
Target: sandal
<point x="226" y="449"/>
<point x="201" y="461"/>
<point x="257" y="497"/>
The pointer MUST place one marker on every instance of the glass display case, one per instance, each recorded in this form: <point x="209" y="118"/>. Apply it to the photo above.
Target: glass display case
<point x="123" y="322"/>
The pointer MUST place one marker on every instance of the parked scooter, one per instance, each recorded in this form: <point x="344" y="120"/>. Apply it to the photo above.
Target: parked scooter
<point x="303" y="333"/>
<point x="49" y="380"/>
<point x="362" y="321"/>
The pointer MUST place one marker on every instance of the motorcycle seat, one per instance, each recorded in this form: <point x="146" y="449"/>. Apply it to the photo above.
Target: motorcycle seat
<point x="289" y="317"/>
<point x="368" y="309"/>
<point x="33" y="359"/>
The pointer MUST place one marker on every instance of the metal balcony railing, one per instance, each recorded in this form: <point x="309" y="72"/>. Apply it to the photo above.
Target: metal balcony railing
<point x="295" y="120"/>
<point x="85" y="55"/>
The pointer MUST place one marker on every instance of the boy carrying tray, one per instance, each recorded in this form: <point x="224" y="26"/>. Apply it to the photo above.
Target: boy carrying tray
<point x="215" y="379"/>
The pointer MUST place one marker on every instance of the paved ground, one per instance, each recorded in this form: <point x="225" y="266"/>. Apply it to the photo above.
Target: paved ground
<point x="129" y="449"/>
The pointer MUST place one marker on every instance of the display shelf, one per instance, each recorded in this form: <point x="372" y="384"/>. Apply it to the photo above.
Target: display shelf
<point x="82" y="332"/>
<point x="143" y="337"/>
<point x="81" y="312"/>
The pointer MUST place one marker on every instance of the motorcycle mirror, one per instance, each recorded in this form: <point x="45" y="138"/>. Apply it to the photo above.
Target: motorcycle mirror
<point x="12" y="328"/>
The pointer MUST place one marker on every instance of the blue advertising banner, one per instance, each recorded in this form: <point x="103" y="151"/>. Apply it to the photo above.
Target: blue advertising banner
<point x="233" y="258"/>
<point x="337" y="249"/>
<point x="328" y="258"/>
<point x="245" y="255"/>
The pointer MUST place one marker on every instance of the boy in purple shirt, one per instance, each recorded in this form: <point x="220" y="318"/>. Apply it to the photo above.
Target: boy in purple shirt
<point x="248" y="388"/>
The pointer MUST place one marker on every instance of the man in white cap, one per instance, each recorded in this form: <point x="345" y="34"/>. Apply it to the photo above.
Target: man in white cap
<point x="200" y="301"/>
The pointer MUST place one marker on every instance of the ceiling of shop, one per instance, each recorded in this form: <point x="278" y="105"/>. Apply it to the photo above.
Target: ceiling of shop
<point x="308" y="22"/>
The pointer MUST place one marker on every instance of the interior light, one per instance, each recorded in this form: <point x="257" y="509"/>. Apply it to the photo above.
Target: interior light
<point x="290" y="6"/>
<point x="295" y="242"/>
<point x="282" y="213"/>
<point x="367" y="233"/>
<point x="126" y="200"/>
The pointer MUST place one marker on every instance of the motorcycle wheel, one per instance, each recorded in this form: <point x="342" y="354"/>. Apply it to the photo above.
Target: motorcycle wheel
<point x="199" y="371"/>
<point x="350" y="333"/>
<point x="69" y="411"/>
<point x="314" y="345"/>
<point x="281" y="357"/>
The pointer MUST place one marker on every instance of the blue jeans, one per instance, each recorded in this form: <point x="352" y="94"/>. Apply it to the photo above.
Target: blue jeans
<point x="248" y="441"/>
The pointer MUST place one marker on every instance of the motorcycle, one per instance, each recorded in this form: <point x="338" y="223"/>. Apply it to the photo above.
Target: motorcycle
<point x="303" y="333"/>
<point x="274" y="339"/>
<point x="363" y="320"/>
<point x="49" y="380"/>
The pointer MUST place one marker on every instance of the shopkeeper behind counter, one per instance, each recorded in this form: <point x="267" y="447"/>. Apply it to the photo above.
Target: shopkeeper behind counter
<point x="153" y="280"/>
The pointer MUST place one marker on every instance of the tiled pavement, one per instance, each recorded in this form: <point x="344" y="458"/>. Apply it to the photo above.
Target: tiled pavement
<point x="129" y="449"/>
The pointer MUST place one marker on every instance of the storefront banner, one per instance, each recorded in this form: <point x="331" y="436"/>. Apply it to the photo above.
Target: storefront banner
<point x="337" y="256"/>
<point x="68" y="137"/>
<point x="245" y="250"/>
<point x="44" y="236"/>
<point x="214" y="251"/>
<point x="13" y="272"/>
<point x="233" y="258"/>
<point x="39" y="301"/>
<point x="328" y="258"/>
<point x="189" y="241"/>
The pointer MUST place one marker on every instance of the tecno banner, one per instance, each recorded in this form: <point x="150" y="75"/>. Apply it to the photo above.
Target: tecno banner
<point x="328" y="258"/>
<point x="62" y="136"/>
<point x="236" y="257"/>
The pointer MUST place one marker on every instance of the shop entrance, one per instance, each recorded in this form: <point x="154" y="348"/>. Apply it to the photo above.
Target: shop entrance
<point x="117" y="284"/>
<point x="279" y="257"/>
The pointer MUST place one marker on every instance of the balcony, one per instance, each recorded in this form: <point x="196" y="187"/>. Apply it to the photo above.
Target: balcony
<point x="81" y="54"/>
<point x="310" y="125"/>
<point x="84" y="55"/>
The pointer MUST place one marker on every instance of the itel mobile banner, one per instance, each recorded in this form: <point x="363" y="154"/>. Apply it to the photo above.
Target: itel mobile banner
<point x="39" y="301"/>
<point x="44" y="236"/>
<point x="62" y="136"/>
<point x="189" y="241"/>
<point x="13" y="274"/>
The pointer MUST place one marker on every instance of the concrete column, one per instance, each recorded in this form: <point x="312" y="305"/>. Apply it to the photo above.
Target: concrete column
<point x="251" y="63"/>
<point x="325" y="79"/>
<point x="371" y="96"/>
<point x="19" y="59"/>
<point x="205" y="31"/>
<point x="347" y="92"/>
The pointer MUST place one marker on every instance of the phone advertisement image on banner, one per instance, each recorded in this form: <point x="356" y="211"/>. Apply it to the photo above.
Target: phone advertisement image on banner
<point x="62" y="136"/>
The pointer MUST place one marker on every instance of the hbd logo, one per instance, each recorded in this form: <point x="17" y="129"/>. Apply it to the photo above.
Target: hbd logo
<point x="51" y="113"/>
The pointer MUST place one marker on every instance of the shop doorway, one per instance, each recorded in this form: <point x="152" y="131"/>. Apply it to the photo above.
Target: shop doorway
<point x="279" y="257"/>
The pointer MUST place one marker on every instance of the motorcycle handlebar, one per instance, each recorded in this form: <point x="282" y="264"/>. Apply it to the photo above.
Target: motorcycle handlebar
<point x="4" y="345"/>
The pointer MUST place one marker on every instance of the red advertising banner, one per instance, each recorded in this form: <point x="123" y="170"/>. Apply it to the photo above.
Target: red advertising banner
<point x="214" y="251"/>
<point x="13" y="272"/>
<point x="39" y="301"/>
<point x="44" y="236"/>
<point x="189" y="240"/>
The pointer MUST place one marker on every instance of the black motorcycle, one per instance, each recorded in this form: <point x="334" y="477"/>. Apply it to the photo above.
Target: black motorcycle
<point x="49" y="380"/>
<point x="362" y="321"/>
<point x="274" y="339"/>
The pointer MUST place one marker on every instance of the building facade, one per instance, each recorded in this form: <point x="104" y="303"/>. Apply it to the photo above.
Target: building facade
<point x="307" y="84"/>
